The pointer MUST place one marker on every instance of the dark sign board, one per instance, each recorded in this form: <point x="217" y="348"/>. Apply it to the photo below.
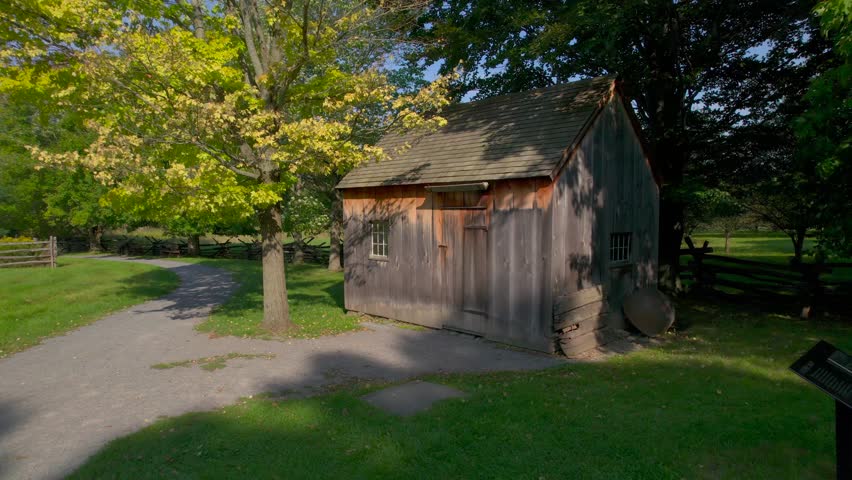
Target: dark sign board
<point x="829" y="369"/>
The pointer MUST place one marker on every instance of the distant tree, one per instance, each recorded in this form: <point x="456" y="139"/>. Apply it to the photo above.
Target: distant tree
<point x="182" y="228"/>
<point x="715" y="209"/>
<point x="21" y="199"/>
<point x="768" y="170"/>
<point x="21" y="204"/>
<point x="728" y="225"/>
<point x="768" y="164"/>
<point x="776" y="202"/>
<point x="335" y="222"/>
<point x="407" y="79"/>
<point x="75" y="198"/>
<point x="698" y="204"/>
<point x="47" y="201"/>
<point x="306" y="214"/>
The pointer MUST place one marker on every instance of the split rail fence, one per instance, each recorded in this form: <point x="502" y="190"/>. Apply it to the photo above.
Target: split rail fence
<point x="28" y="254"/>
<point x="813" y="286"/>
<point x="233" y="248"/>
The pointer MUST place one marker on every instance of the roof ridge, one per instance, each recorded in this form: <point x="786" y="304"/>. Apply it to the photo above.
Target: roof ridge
<point x="555" y="87"/>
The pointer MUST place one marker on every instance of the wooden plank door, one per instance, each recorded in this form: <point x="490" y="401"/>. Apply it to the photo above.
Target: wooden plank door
<point x="464" y="251"/>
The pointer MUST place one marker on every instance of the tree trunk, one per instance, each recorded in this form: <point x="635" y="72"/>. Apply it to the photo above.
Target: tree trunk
<point x="671" y="236"/>
<point x="198" y="18"/>
<point x="95" y="236"/>
<point x="298" y="238"/>
<point x="193" y="245"/>
<point x="298" y="248"/>
<point x="798" y="244"/>
<point x="335" y="233"/>
<point x="276" y="312"/>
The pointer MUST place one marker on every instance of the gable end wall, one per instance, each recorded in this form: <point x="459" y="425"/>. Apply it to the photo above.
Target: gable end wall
<point x="606" y="186"/>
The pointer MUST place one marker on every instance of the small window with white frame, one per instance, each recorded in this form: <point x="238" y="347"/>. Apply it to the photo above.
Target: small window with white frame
<point x="619" y="247"/>
<point x="379" y="236"/>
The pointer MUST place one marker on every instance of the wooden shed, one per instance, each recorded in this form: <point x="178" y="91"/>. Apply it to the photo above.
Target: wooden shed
<point x="525" y="220"/>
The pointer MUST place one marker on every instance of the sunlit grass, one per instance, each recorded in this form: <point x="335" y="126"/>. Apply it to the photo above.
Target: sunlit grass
<point x="715" y="401"/>
<point x="315" y="297"/>
<point x="41" y="302"/>
<point x="762" y="246"/>
<point x="213" y="363"/>
<point x="769" y="247"/>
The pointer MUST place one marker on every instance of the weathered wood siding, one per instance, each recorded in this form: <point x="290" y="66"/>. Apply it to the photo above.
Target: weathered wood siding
<point x="482" y="269"/>
<point x="519" y="246"/>
<point x="493" y="263"/>
<point x="403" y="286"/>
<point x="607" y="186"/>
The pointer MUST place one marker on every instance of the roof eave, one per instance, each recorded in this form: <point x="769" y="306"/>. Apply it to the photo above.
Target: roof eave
<point x="472" y="180"/>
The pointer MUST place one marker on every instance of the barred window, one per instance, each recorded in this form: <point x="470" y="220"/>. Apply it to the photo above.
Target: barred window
<point x="619" y="247"/>
<point x="379" y="232"/>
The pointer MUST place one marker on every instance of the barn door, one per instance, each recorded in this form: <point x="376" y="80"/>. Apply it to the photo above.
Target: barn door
<point x="464" y="253"/>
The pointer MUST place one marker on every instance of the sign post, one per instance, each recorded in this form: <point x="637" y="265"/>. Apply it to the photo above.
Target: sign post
<point x="843" y="434"/>
<point x="831" y="371"/>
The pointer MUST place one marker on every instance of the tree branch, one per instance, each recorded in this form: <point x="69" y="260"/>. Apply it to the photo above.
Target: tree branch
<point x="248" y="38"/>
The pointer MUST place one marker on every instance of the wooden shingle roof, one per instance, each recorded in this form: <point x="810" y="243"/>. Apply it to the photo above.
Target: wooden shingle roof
<point x="518" y="135"/>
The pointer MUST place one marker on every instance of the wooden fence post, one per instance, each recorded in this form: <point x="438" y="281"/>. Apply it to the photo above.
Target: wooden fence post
<point x="52" y="251"/>
<point x="812" y="288"/>
<point x="702" y="278"/>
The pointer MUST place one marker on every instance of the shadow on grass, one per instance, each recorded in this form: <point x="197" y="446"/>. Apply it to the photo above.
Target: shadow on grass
<point x="186" y="292"/>
<point x="315" y="296"/>
<point x="757" y="308"/>
<point x="714" y="402"/>
<point x="335" y="291"/>
<point x="704" y="405"/>
<point x="151" y="283"/>
<point x="315" y="283"/>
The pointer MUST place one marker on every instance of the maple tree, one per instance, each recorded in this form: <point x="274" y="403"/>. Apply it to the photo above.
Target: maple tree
<point x="214" y="108"/>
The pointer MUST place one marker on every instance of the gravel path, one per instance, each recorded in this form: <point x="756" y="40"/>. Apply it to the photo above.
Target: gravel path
<point x="63" y="400"/>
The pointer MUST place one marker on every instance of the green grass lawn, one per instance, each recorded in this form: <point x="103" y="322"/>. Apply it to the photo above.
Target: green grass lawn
<point x="43" y="302"/>
<point x="774" y="247"/>
<point x="715" y="401"/>
<point x="769" y="247"/>
<point x="315" y="297"/>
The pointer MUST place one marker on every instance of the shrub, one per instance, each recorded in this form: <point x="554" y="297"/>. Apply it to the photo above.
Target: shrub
<point x="14" y="240"/>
